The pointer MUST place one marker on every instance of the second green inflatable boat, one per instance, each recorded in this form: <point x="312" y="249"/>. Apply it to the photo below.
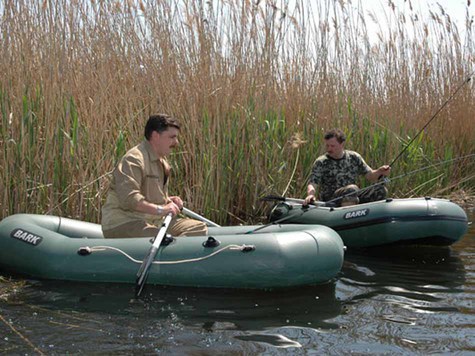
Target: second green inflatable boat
<point x="423" y="221"/>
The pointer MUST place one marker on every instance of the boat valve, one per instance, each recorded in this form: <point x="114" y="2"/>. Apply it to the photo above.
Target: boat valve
<point x="84" y="251"/>
<point x="211" y="242"/>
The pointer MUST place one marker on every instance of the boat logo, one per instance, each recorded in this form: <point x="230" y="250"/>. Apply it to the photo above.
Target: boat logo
<point x="356" y="214"/>
<point x="26" y="236"/>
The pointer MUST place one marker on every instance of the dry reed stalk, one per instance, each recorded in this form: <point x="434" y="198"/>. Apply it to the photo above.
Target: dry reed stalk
<point x="82" y="76"/>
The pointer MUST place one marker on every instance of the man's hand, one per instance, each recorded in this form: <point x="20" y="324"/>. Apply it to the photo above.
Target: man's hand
<point x="310" y="199"/>
<point x="311" y="191"/>
<point x="374" y="175"/>
<point x="177" y="201"/>
<point x="384" y="170"/>
<point x="171" y="208"/>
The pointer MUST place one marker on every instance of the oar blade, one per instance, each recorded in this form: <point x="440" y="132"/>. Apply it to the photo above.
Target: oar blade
<point x="144" y="269"/>
<point x="140" y="284"/>
<point x="142" y="274"/>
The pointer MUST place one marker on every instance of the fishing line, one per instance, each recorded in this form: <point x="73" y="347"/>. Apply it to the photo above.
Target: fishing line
<point x="320" y="203"/>
<point x="387" y="180"/>
<point x="433" y="117"/>
<point x="317" y="204"/>
<point x="432" y="165"/>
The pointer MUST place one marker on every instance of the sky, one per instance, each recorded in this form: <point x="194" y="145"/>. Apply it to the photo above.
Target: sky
<point x="456" y="9"/>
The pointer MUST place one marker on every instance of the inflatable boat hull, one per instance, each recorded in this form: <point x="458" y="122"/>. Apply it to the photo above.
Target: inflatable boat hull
<point x="425" y="221"/>
<point x="51" y="247"/>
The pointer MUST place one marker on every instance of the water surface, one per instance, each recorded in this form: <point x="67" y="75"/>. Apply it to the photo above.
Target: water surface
<point x="409" y="300"/>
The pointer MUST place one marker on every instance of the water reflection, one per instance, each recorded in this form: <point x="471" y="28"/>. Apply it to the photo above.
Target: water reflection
<point x="210" y="309"/>
<point x="422" y="269"/>
<point x="401" y="285"/>
<point x="394" y="300"/>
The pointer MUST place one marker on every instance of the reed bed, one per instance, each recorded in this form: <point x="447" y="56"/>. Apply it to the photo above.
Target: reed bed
<point x="255" y="84"/>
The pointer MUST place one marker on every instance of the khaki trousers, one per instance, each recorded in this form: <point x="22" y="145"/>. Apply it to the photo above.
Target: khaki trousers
<point x="139" y="228"/>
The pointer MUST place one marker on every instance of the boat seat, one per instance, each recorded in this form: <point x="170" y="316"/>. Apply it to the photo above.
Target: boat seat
<point x="79" y="229"/>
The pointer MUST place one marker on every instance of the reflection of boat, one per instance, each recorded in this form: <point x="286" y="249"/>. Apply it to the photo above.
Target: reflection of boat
<point x="422" y="221"/>
<point x="51" y="247"/>
<point x="412" y="285"/>
<point x="418" y="268"/>
<point x="212" y="310"/>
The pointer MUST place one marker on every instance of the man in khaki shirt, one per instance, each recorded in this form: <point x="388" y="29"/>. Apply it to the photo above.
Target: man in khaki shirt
<point x="138" y="196"/>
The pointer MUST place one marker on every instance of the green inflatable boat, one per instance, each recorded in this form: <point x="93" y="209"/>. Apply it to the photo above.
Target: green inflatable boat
<point x="424" y="221"/>
<point x="51" y="247"/>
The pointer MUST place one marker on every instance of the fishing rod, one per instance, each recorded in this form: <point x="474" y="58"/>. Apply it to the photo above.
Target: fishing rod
<point x="315" y="205"/>
<point x="433" y="117"/>
<point x="387" y="180"/>
<point x="321" y="203"/>
<point x="432" y="166"/>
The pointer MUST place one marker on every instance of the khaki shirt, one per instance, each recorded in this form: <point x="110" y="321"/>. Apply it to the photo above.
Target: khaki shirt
<point x="139" y="175"/>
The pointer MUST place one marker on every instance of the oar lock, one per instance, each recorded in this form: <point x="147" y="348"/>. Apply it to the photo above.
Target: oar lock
<point x="167" y="240"/>
<point x="280" y="210"/>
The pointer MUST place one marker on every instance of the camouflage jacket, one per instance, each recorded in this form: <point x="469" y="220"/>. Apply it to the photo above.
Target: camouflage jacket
<point x="330" y="174"/>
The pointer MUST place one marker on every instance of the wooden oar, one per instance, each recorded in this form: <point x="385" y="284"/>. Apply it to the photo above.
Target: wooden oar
<point x="142" y="274"/>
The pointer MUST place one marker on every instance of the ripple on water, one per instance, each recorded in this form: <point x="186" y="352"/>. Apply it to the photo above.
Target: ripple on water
<point x="399" y="301"/>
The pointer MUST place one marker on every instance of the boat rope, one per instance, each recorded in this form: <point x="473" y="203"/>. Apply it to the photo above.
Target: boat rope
<point x="242" y="248"/>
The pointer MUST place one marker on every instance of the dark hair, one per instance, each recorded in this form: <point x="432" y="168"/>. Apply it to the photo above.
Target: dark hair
<point x="160" y="123"/>
<point x="337" y="133"/>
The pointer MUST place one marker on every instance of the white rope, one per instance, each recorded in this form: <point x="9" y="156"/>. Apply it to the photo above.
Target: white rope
<point x="229" y="247"/>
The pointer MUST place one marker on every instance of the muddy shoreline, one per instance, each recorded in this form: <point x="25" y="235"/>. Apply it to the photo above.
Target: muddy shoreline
<point x="466" y="201"/>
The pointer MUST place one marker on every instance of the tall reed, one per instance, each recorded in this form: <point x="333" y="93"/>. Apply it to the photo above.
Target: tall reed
<point x="255" y="84"/>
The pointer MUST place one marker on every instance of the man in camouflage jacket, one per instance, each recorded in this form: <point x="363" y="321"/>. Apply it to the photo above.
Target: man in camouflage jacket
<point x="337" y="171"/>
